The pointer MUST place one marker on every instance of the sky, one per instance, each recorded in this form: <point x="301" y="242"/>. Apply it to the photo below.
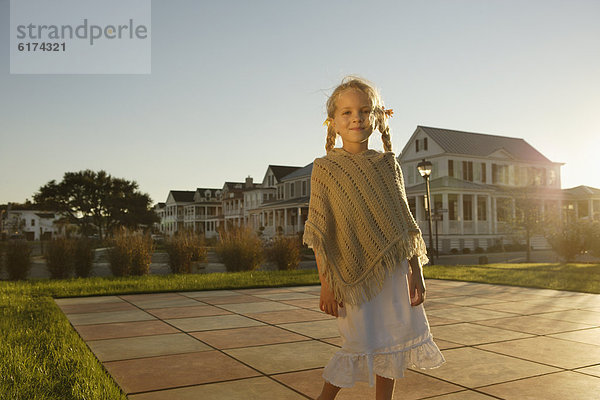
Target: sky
<point x="238" y="85"/>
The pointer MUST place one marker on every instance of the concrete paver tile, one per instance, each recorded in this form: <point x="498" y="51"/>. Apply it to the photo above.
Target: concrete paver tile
<point x="187" y="312"/>
<point x="264" y="290"/>
<point x="145" y="346"/>
<point x="149" y="296"/>
<point x="464" y="395"/>
<point x="315" y="289"/>
<point x="533" y="324"/>
<point x="594" y="370"/>
<point x="471" y="334"/>
<point x="314" y="329"/>
<point x="180" y="301"/>
<point x="209" y="293"/>
<point x="244" y="337"/>
<point x="285" y="357"/>
<point x="88" y="300"/>
<point x="312" y="304"/>
<point x="146" y="374"/>
<point x="557" y="352"/>
<point x="468" y="314"/>
<point x="473" y="367"/>
<point x="435" y="320"/>
<point x="336" y="341"/>
<point x="558" y="386"/>
<point x="236" y="299"/>
<point x="431" y="305"/>
<point x="245" y="389"/>
<point x="590" y="336"/>
<point x="281" y="317"/>
<point x="524" y="307"/>
<point x="287" y="296"/>
<point x="468" y="300"/>
<point x="444" y="344"/>
<point x="109" y="317"/>
<point x="412" y="386"/>
<point x="124" y="329"/>
<point x="257" y="307"/>
<point x="96" y="307"/>
<point x="582" y="316"/>
<point x="212" y="322"/>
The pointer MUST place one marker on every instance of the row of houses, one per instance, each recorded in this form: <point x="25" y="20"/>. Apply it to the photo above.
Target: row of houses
<point x="473" y="177"/>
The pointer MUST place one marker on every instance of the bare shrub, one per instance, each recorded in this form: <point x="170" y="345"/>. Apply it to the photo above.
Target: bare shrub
<point x="284" y="252"/>
<point x="240" y="249"/>
<point x="130" y="253"/>
<point x="18" y="259"/>
<point x="59" y="258"/>
<point x="184" y="248"/>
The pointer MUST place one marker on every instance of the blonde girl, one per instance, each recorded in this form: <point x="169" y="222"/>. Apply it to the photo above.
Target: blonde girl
<point x="369" y="249"/>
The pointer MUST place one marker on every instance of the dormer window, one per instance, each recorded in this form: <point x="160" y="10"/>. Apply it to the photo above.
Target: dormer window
<point x="417" y="145"/>
<point x="207" y="194"/>
<point x="424" y="143"/>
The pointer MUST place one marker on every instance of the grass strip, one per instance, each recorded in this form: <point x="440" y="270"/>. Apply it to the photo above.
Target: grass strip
<point x="572" y="277"/>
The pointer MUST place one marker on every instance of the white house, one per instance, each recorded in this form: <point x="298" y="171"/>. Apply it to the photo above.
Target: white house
<point x="473" y="176"/>
<point x="33" y="224"/>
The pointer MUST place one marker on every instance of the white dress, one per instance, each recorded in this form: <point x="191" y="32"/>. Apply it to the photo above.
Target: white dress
<point x="383" y="336"/>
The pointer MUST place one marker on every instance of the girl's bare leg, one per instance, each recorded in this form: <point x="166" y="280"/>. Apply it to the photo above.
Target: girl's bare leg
<point x="384" y="388"/>
<point x="329" y="391"/>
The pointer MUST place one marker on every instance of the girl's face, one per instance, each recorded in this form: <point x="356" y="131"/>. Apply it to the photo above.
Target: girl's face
<point x="353" y="119"/>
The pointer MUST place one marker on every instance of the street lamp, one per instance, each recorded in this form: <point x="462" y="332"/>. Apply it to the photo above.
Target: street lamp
<point x="424" y="168"/>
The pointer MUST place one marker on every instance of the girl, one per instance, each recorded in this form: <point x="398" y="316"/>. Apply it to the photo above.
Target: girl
<point x="363" y="234"/>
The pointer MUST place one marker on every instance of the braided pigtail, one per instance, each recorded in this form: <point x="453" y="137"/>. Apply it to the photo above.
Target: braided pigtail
<point x="384" y="127"/>
<point x="331" y="136"/>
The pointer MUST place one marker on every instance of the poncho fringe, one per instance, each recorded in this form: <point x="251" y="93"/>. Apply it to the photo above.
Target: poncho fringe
<point x="358" y="179"/>
<point x="372" y="281"/>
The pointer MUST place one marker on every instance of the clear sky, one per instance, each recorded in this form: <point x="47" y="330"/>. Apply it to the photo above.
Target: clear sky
<point x="238" y="85"/>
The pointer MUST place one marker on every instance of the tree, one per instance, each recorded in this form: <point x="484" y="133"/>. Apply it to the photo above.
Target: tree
<point x="98" y="201"/>
<point x="528" y="219"/>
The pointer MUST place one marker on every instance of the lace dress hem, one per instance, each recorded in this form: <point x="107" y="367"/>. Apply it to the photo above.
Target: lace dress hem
<point x="344" y="369"/>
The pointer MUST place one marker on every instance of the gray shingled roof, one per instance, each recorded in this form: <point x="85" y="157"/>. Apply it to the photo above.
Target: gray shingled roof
<point x="479" y="144"/>
<point x="304" y="171"/>
<point x="582" y="191"/>
<point x="185" y="196"/>
<point x="282" y="170"/>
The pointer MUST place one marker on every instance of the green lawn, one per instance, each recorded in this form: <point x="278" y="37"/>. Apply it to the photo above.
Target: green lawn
<point x="573" y="277"/>
<point x="42" y="357"/>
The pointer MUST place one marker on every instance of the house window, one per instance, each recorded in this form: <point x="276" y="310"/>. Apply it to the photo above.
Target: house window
<point x="483" y="173"/>
<point x="467" y="170"/>
<point x="450" y="167"/>
<point x="417" y="145"/>
<point x="468" y="207"/>
<point x="303" y="188"/>
<point x="292" y="187"/>
<point x="425" y="144"/>
<point x="503" y="209"/>
<point x="481" y="208"/>
<point x="438" y="203"/>
<point x="582" y="209"/>
<point x="33" y="222"/>
<point x="452" y="207"/>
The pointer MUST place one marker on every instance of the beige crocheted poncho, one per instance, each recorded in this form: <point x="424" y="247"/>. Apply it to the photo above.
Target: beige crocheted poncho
<point x="359" y="224"/>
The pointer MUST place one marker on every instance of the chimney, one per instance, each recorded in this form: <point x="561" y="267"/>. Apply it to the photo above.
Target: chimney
<point x="248" y="183"/>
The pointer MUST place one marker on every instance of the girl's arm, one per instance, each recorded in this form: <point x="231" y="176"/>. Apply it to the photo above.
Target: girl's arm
<point x="327" y="302"/>
<point x="416" y="283"/>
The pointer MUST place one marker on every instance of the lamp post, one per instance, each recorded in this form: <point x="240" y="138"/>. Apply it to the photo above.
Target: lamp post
<point x="424" y="168"/>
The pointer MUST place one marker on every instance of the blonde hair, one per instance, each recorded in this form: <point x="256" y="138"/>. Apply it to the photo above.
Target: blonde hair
<point x="381" y="122"/>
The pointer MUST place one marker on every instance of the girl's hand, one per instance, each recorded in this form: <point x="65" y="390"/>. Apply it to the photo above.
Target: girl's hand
<point x="327" y="303"/>
<point x="416" y="287"/>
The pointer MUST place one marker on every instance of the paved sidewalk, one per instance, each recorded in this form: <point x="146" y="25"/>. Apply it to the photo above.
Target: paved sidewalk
<point x="499" y="342"/>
